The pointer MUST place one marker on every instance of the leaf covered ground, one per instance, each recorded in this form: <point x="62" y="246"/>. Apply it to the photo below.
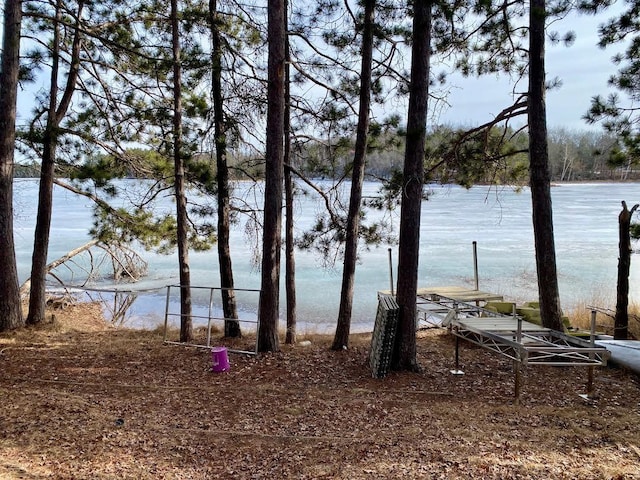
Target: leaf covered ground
<point x="81" y="400"/>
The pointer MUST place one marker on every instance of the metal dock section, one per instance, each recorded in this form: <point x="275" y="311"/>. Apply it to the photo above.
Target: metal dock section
<point x="521" y="341"/>
<point x="432" y="311"/>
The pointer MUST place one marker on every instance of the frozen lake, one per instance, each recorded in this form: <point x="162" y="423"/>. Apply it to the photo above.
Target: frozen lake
<point x="499" y="220"/>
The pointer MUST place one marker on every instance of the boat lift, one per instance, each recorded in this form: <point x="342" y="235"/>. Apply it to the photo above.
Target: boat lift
<point x="511" y="336"/>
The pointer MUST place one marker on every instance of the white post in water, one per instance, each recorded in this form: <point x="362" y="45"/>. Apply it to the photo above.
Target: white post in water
<point x="475" y="264"/>
<point x="390" y="272"/>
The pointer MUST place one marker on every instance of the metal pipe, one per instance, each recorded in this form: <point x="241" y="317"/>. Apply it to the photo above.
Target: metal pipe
<point x="518" y="361"/>
<point x="475" y="265"/>
<point x="518" y="381"/>
<point x="196" y="345"/>
<point x="210" y="315"/>
<point x="166" y="314"/>
<point x="390" y="272"/>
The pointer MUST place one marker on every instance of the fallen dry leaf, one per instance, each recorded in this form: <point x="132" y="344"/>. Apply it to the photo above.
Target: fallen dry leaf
<point x="84" y="401"/>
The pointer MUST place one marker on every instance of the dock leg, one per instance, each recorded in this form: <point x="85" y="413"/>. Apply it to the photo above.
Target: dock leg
<point x="457" y="370"/>
<point x="590" y="395"/>
<point x="590" y="375"/>
<point x="518" y="386"/>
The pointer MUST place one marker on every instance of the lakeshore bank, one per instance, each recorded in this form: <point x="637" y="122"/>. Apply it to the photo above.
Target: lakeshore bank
<point x="85" y="400"/>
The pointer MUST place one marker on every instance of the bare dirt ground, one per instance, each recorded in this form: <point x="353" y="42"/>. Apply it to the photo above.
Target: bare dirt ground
<point x="80" y="400"/>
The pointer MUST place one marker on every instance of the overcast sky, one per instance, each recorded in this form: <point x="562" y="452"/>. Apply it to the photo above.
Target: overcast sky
<point x="583" y="68"/>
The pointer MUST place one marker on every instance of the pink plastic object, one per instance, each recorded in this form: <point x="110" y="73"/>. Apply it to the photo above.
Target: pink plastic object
<point x="219" y="359"/>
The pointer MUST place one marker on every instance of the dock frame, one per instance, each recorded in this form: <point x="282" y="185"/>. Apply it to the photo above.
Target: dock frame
<point x="509" y="335"/>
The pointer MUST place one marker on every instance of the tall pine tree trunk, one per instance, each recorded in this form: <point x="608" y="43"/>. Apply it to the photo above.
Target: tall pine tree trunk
<point x="404" y="356"/>
<point x="272" y="225"/>
<point x="290" y="259"/>
<point x="55" y="114"/>
<point x="231" y="327"/>
<point x="10" y="305"/>
<point x="343" y="327"/>
<point x="621" y="321"/>
<point x="539" y="173"/>
<point x="186" y="324"/>
<point x="37" y="292"/>
<point x="289" y="249"/>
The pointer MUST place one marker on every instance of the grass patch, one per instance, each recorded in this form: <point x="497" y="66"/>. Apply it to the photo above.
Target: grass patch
<point x="580" y="317"/>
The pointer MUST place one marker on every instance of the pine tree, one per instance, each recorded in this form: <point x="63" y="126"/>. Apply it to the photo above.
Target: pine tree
<point x="341" y="338"/>
<point x="620" y="116"/>
<point x="56" y="111"/>
<point x="272" y="226"/>
<point x="408" y="250"/>
<point x="10" y="305"/>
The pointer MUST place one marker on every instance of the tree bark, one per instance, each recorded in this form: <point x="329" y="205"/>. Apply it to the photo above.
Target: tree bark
<point x="229" y="307"/>
<point x="290" y="258"/>
<point x="621" y="321"/>
<point x="404" y="356"/>
<point x="343" y="327"/>
<point x="186" y="324"/>
<point x="10" y="305"/>
<point x="539" y="174"/>
<point x="272" y="225"/>
<point x="37" y="293"/>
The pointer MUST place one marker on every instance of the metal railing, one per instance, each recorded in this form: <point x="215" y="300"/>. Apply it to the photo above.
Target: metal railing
<point x="211" y="317"/>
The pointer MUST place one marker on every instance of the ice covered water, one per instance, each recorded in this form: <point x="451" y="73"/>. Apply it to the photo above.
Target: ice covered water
<point x="498" y="219"/>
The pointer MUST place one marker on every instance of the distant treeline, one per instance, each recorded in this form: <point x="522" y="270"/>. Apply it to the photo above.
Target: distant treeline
<point x="574" y="156"/>
<point x="26" y="171"/>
